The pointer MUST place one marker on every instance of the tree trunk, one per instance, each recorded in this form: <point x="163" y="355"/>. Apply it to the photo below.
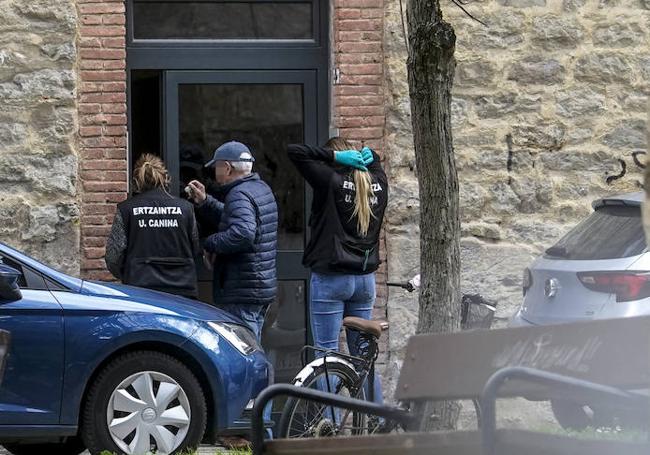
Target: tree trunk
<point x="431" y="73"/>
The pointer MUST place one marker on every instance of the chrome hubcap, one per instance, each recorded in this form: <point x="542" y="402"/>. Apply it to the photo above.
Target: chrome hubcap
<point x="148" y="412"/>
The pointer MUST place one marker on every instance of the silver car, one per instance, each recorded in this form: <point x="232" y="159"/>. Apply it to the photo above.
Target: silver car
<point x="599" y="270"/>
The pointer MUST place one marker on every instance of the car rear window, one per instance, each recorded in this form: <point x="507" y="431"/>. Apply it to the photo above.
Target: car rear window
<point x="610" y="232"/>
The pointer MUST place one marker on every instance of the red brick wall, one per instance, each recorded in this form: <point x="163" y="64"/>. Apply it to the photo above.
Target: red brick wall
<point x="358" y="104"/>
<point x="102" y="126"/>
<point x="359" y="96"/>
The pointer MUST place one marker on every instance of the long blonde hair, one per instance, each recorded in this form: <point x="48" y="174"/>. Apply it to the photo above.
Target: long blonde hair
<point x="362" y="197"/>
<point x="149" y="173"/>
<point x="363" y="189"/>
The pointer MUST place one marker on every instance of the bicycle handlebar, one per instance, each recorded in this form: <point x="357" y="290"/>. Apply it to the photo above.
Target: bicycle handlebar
<point x="411" y="285"/>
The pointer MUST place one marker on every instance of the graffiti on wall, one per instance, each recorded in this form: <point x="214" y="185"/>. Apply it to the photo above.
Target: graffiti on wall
<point x="620" y="173"/>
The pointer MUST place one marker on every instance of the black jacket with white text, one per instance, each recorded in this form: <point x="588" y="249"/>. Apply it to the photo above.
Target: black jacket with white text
<point x="335" y="245"/>
<point x="160" y="244"/>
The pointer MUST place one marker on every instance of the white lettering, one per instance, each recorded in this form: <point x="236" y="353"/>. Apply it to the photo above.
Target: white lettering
<point x="164" y="223"/>
<point x="542" y="353"/>
<point x="157" y="211"/>
<point x="348" y="185"/>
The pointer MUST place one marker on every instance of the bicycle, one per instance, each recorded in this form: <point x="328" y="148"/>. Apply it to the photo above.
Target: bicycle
<point x="339" y="373"/>
<point x="342" y="374"/>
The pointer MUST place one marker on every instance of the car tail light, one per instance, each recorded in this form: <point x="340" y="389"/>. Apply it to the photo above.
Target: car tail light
<point x="527" y="281"/>
<point x="626" y="285"/>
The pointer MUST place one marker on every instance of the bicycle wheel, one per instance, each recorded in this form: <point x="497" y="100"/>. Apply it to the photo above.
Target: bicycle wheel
<point x="307" y="419"/>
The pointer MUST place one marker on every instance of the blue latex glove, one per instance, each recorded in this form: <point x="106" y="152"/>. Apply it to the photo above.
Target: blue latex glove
<point x="350" y="158"/>
<point x="367" y="156"/>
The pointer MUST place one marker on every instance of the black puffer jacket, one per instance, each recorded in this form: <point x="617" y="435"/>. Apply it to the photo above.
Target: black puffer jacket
<point x="246" y="242"/>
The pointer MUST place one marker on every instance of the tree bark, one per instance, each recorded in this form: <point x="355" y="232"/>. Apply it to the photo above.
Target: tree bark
<point x="431" y="73"/>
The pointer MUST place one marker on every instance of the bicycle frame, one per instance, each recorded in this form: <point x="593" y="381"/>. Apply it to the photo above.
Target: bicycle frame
<point x="363" y="365"/>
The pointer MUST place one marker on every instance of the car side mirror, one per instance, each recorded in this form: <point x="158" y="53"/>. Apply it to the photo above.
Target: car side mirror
<point x="9" y="289"/>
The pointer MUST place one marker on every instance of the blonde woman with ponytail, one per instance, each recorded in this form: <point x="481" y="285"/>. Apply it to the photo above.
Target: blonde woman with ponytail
<point x="350" y="193"/>
<point x="154" y="238"/>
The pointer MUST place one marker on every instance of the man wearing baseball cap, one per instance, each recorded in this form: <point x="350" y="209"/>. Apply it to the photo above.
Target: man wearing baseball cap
<point x="242" y="251"/>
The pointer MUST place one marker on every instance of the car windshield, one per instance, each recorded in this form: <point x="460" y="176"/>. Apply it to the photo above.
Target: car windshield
<point x="610" y="232"/>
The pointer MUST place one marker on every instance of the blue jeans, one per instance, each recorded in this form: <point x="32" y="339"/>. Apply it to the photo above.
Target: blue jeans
<point x="334" y="297"/>
<point x="251" y="315"/>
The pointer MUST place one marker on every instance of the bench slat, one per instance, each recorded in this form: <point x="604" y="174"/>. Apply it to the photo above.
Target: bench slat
<point x="521" y="442"/>
<point x="445" y="443"/>
<point x="509" y="442"/>
<point x="455" y="366"/>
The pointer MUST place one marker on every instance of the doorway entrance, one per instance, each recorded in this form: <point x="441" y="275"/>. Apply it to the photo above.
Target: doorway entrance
<point x="236" y="80"/>
<point x="266" y="110"/>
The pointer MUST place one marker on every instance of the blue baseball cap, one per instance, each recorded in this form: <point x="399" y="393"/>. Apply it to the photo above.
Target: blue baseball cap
<point x="231" y="151"/>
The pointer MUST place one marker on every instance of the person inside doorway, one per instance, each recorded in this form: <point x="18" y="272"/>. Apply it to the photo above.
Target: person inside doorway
<point x="154" y="238"/>
<point x="242" y="252"/>
<point x="350" y="197"/>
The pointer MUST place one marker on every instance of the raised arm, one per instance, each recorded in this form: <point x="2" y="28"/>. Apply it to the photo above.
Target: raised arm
<point x="313" y="163"/>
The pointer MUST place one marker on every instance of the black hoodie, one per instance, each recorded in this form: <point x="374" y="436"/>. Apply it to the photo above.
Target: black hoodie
<point x="335" y="245"/>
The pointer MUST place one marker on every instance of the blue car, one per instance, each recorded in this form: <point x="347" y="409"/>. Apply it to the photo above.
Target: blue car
<point x="110" y="367"/>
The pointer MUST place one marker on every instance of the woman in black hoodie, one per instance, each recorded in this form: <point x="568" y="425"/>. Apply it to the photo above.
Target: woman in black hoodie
<point x="350" y="197"/>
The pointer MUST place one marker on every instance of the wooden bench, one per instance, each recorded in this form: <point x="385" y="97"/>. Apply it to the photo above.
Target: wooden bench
<point x="597" y="362"/>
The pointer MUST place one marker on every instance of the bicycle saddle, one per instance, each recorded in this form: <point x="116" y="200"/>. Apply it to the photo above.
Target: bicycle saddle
<point x="364" y="325"/>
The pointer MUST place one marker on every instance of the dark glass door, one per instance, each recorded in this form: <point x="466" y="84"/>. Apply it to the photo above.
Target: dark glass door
<point x="265" y="110"/>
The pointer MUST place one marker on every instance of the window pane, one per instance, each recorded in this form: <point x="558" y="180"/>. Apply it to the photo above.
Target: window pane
<point x="266" y="117"/>
<point x="211" y="20"/>
<point x="610" y="232"/>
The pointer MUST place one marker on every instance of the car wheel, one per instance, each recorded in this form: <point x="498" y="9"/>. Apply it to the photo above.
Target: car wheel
<point x="71" y="446"/>
<point x="144" y="402"/>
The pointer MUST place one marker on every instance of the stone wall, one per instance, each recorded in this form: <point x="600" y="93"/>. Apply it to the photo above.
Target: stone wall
<point x="549" y="101"/>
<point x="39" y="210"/>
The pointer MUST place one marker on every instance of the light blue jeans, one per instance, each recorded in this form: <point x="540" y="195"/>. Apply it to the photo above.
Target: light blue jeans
<point x="334" y="297"/>
<point x="251" y="315"/>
